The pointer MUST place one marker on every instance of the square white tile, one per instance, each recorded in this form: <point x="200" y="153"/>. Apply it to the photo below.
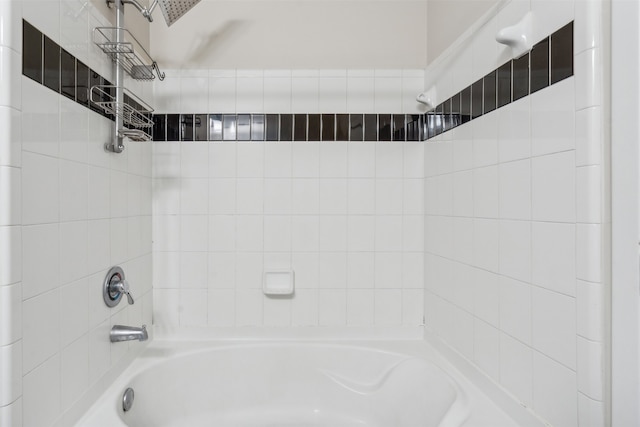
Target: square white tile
<point x="554" y="391"/>
<point x="515" y="249"/>
<point x="360" y="270"/>
<point x="515" y="309"/>
<point x="41" y="393"/>
<point x="516" y="368"/>
<point x="360" y="307"/>
<point x="41" y="329"/>
<point x="515" y="190"/>
<point x="553" y="256"/>
<point x="554" y="325"/>
<point x="486" y="348"/>
<point x="304" y="308"/>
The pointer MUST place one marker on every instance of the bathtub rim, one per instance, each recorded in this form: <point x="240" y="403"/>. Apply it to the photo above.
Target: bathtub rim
<point x="455" y="416"/>
<point x="493" y="391"/>
<point x="486" y="396"/>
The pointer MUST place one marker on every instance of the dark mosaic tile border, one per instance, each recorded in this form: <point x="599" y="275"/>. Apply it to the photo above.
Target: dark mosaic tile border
<point x="548" y="62"/>
<point x="47" y="63"/>
<point x="288" y="127"/>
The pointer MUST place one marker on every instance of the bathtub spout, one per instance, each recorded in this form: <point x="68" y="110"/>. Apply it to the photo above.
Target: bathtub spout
<point x="128" y="333"/>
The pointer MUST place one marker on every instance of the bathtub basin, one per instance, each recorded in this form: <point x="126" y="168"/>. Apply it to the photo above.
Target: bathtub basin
<point x="281" y="384"/>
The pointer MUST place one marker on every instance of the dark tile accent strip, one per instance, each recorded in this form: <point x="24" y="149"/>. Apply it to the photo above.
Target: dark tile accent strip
<point x="540" y="66"/>
<point x="173" y="127"/>
<point x="476" y="99"/>
<point x="399" y="133"/>
<point x="229" y="127"/>
<point x="51" y="64"/>
<point x="186" y="127"/>
<point x="95" y="79"/>
<point x="313" y="132"/>
<point x="490" y="92"/>
<point x="456" y="116"/>
<point x="31" y="52"/>
<point x="215" y="127"/>
<point x="431" y="124"/>
<point x="111" y="93"/>
<point x="504" y="84"/>
<point x="273" y="127"/>
<point x="328" y="127"/>
<point x="257" y="127"/>
<point x="438" y="126"/>
<point x="520" y="77"/>
<point x="68" y="82"/>
<point x="342" y="127"/>
<point x="244" y="127"/>
<point x="465" y="104"/>
<point x="160" y="127"/>
<point x="562" y="53"/>
<point x="200" y="127"/>
<point x="414" y="127"/>
<point x="286" y="127"/>
<point x="384" y="127"/>
<point x="370" y="127"/>
<point x="300" y="127"/>
<point x="446" y="115"/>
<point x="356" y="127"/>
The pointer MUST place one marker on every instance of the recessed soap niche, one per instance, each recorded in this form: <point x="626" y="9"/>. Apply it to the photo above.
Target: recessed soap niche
<point x="278" y="282"/>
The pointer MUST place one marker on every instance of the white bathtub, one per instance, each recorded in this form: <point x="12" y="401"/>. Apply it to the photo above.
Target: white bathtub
<point x="280" y="383"/>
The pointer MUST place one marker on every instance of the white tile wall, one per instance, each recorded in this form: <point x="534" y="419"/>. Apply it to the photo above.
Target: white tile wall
<point x="523" y="187"/>
<point x="301" y="212"/>
<point x="342" y="215"/>
<point x="69" y="211"/>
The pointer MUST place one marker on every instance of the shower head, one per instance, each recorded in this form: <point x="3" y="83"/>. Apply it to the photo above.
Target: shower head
<point x="174" y="9"/>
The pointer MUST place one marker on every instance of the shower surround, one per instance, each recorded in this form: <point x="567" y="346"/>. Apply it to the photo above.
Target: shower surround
<point x="502" y="224"/>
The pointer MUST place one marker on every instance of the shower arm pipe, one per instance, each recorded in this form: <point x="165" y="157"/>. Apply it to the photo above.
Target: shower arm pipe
<point x="145" y="11"/>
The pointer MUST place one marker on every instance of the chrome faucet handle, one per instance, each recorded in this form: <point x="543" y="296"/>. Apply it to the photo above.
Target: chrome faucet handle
<point x="123" y="287"/>
<point x="129" y="299"/>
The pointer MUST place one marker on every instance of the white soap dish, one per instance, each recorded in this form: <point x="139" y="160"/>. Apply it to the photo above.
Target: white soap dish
<point x="278" y="282"/>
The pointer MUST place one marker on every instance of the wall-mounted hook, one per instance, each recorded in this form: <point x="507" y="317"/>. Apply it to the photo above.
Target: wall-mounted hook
<point x="517" y="37"/>
<point x="427" y="98"/>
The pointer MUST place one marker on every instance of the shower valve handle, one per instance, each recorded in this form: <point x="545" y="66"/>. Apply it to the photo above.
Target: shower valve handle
<point x="121" y="286"/>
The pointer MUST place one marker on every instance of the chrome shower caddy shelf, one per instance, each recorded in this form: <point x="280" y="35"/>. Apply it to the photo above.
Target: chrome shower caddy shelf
<point x="130" y="54"/>
<point x="134" y="112"/>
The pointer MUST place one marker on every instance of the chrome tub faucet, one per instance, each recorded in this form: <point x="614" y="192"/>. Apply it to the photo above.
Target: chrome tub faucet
<point x="128" y="333"/>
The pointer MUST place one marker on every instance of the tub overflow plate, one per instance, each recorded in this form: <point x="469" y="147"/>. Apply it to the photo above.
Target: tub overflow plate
<point x="127" y="399"/>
